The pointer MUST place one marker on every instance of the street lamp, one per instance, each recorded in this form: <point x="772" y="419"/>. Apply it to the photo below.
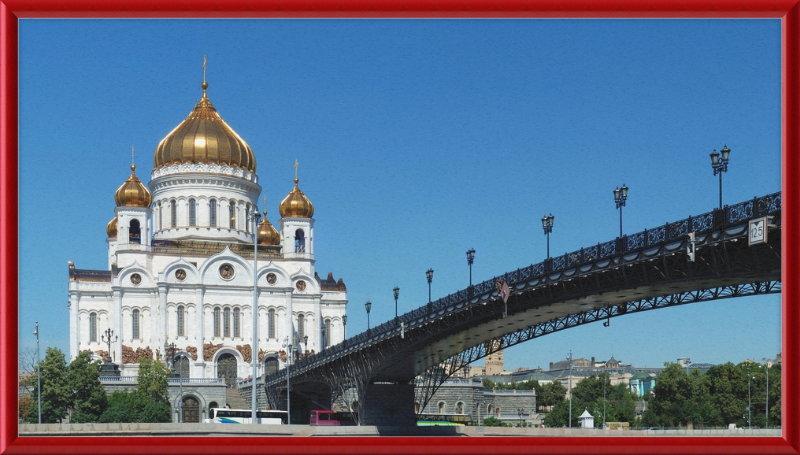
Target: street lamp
<point x="170" y="348"/>
<point x="520" y="413"/>
<point x="749" y="402"/>
<point x="38" y="371"/>
<point x="429" y="275"/>
<point x="107" y="339"/>
<point x="396" y="291"/>
<point x="254" y="217"/>
<point x="719" y="166"/>
<point x="620" y="196"/>
<point x="368" y="306"/>
<point x="289" y="349"/>
<point x="324" y="338"/>
<point x="344" y="325"/>
<point x="180" y="384"/>
<point x="547" y="225"/>
<point x="470" y="259"/>
<point x="570" y="387"/>
<point x="305" y="340"/>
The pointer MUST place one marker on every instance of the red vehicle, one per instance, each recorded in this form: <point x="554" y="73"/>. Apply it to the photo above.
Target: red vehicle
<point x="323" y="417"/>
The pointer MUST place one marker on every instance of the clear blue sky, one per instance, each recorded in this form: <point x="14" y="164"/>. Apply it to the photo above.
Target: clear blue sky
<point x="417" y="140"/>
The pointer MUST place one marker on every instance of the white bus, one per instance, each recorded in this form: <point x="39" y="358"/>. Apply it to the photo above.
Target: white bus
<point x="225" y="415"/>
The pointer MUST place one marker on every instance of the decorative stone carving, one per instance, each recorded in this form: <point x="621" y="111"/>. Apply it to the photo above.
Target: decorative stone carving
<point x="246" y="351"/>
<point x="283" y="355"/>
<point x="261" y="354"/>
<point x="272" y="278"/>
<point x="226" y="271"/>
<point x="301" y="285"/>
<point x="180" y="274"/>
<point x="136" y="278"/>
<point x="103" y="354"/>
<point x="209" y="349"/>
<point x="131" y="356"/>
<point x="193" y="351"/>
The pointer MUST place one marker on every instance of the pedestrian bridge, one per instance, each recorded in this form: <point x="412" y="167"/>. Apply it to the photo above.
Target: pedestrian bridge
<point x="410" y="356"/>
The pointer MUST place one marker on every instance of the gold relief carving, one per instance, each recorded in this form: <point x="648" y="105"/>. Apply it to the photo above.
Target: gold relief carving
<point x="282" y="354"/>
<point x="226" y="271"/>
<point x="301" y="285"/>
<point x="103" y="354"/>
<point x="131" y="356"/>
<point x="193" y="351"/>
<point x="261" y="354"/>
<point x="246" y="351"/>
<point x="209" y="349"/>
<point x="158" y="354"/>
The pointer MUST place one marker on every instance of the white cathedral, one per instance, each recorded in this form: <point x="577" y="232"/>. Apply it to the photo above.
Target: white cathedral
<point x="181" y="268"/>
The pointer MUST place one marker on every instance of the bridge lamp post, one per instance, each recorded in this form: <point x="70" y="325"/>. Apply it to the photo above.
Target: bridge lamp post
<point x="344" y="325"/>
<point x="107" y="339"/>
<point x="254" y="217"/>
<point x="547" y="225"/>
<point x="305" y="341"/>
<point x="470" y="260"/>
<point x="289" y="349"/>
<point x="429" y="275"/>
<point x="620" y="196"/>
<point x="570" y="387"/>
<point x="171" y="349"/>
<point x="719" y="166"/>
<point x="396" y="291"/>
<point x="368" y="306"/>
<point x="39" y="371"/>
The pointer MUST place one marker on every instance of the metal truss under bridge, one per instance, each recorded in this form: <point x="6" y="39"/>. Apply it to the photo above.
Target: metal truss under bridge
<point x="639" y="272"/>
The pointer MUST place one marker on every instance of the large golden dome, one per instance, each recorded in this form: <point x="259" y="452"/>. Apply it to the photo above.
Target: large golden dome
<point x="132" y="193"/>
<point x="267" y="234"/>
<point x="296" y="204"/>
<point x="204" y="138"/>
<point x="111" y="228"/>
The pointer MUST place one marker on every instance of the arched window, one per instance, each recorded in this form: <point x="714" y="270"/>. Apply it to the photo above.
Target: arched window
<point x="134" y="233"/>
<point x="135" y="320"/>
<point x="441" y="407"/>
<point x="192" y="213"/>
<point x="271" y="323"/>
<point x="92" y="326"/>
<point x="216" y="322"/>
<point x="459" y="408"/>
<point x="300" y="326"/>
<point x="173" y="213"/>
<point x="232" y="215"/>
<point x="212" y="213"/>
<point x="299" y="241"/>
<point x="247" y="222"/>
<point x="160" y="216"/>
<point x="236" y="332"/>
<point x="327" y="341"/>
<point x="488" y="409"/>
<point x="226" y="322"/>
<point x="180" y="321"/>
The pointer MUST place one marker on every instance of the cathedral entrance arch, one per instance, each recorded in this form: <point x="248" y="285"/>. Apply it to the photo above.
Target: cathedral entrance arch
<point x="270" y="365"/>
<point x="227" y="369"/>
<point x="191" y="410"/>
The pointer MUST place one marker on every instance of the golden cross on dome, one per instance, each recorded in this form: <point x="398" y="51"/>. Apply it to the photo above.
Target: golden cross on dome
<point x="295" y="169"/>
<point x="204" y="68"/>
<point x="133" y="166"/>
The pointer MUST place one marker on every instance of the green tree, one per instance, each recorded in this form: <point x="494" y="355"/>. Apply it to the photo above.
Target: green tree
<point x="551" y="394"/>
<point x="123" y="407"/>
<point x="488" y="384"/>
<point x="727" y="385"/>
<point x="559" y="415"/>
<point x="153" y="389"/>
<point x="56" y="394"/>
<point x="492" y="422"/>
<point x="88" y="395"/>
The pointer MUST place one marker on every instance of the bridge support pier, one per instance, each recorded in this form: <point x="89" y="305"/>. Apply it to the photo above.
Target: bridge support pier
<point x="388" y="404"/>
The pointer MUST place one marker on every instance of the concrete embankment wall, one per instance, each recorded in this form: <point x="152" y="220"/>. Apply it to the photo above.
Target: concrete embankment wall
<point x="219" y="429"/>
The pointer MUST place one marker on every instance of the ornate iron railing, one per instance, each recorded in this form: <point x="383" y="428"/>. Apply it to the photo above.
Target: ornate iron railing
<point x="727" y="217"/>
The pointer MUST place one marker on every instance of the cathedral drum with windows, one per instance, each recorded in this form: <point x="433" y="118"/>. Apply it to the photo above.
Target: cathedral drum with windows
<point x="181" y="270"/>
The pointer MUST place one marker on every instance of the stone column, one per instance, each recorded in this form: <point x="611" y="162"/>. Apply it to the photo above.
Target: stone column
<point x="74" y="326"/>
<point x="162" y="315"/>
<point x="117" y="354"/>
<point x="199" y="326"/>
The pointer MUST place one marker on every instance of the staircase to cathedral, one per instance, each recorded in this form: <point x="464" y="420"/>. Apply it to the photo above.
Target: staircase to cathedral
<point x="234" y="399"/>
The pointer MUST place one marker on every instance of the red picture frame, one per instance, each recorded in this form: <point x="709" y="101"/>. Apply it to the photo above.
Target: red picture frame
<point x="12" y="10"/>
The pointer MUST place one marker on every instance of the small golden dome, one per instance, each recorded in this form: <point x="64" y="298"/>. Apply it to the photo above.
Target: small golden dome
<point x="296" y="204"/>
<point x="111" y="228"/>
<point x="203" y="137"/>
<point x="267" y="234"/>
<point x="132" y="193"/>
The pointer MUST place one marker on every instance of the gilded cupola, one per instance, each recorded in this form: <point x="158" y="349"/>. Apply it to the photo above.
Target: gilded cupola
<point x="203" y="137"/>
<point x="296" y="204"/>
<point x="132" y="193"/>
<point x="267" y="234"/>
<point x="111" y="228"/>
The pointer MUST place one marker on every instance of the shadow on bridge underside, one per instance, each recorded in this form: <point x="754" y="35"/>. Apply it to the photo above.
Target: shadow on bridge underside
<point x="644" y="271"/>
